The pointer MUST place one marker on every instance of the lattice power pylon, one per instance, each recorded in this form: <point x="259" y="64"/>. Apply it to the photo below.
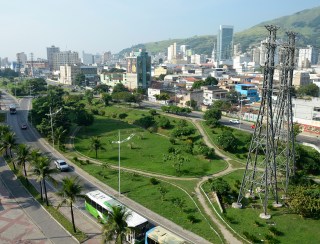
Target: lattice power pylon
<point x="260" y="177"/>
<point x="284" y="133"/>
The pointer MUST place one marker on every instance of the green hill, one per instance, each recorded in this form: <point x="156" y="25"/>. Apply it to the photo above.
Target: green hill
<point x="306" y="23"/>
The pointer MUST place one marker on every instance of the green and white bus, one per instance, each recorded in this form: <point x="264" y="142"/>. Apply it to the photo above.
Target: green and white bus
<point x="99" y="205"/>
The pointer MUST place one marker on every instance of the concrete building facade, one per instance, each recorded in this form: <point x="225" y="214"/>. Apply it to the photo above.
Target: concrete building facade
<point x="50" y="52"/>
<point x="63" y="58"/>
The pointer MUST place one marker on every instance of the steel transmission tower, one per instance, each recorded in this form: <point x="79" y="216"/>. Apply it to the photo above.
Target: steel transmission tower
<point x="260" y="175"/>
<point x="284" y="135"/>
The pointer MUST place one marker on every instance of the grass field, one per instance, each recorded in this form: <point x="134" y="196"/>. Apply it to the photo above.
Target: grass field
<point x="141" y="190"/>
<point x="291" y="227"/>
<point x="145" y="151"/>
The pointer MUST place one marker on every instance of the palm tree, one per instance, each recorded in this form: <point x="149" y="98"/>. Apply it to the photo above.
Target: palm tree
<point x="23" y="155"/>
<point x="71" y="189"/>
<point x="4" y="129"/>
<point x="59" y="134"/>
<point x="8" y="142"/>
<point x="116" y="226"/>
<point x="96" y="144"/>
<point x="42" y="170"/>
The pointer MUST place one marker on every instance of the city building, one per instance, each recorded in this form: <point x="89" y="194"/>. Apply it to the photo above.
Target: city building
<point x="50" y="51"/>
<point x="111" y="78"/>
<point x="68" y="74"/>
<point x="301" y="78"/>
<point x="63" y="58"/>
<point x="224" y="45"/>
<point x="213" y="93"/>
<point x="307" y="57"/>
<point x="172" y="52"/>
<point x="21" y="59"/>
<point x="87" y="58"/>
<point x="306" y="112"/>
<point x="248" y="91"/>
<point x="138" y="70"/>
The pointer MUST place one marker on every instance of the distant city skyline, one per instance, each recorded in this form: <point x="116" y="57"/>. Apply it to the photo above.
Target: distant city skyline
<point x="98" y="26"/>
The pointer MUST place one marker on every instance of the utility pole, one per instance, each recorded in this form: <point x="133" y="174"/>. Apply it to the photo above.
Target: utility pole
<point x="119" y="157"/>
<point x="51" y="122"/>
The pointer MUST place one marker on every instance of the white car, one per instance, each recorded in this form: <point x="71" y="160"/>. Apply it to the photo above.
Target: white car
<point x="61" y="165"/>
<point x="234" y="121"/>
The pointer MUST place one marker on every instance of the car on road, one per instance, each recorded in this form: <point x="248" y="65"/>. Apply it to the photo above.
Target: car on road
<point x="234" y="121"/>
<point x="61" y="165"/>
<point x="24" y="126"/>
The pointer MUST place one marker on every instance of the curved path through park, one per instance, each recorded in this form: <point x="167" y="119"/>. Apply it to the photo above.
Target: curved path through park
<point x="227" y="234"/>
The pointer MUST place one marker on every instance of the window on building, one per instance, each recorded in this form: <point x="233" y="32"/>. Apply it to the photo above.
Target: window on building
<point x="316" y="109"/>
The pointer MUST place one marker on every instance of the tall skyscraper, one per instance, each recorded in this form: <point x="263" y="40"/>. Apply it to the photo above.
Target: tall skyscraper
<point x="224" y="44"/>
<point x="50" y="51"/>
<point x="138" y="70"/>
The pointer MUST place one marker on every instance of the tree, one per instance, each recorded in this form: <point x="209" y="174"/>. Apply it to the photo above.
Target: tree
<point x="211" y="81"/>
<point x="102" y="88"/>
<point x="177" y="158"/>
<point x="212" y="116"/>
<point x="192" y="103"/>
<point x="227" y="141"/>
<point x="182" y="131"/>
<point x="145" y="122"/>
<point x="80" y="79"/>
<point x="163" y="122"/>
<point x="308" y="90"/>
<point x="162" y="97"/>
<point x="106" y="98"/>
<point x="122" y="116"/>
<point x="116" y="226"/>
<point x="119" y="88"/>
<point x="88" y="96"/>
<point x="163" y="192"/>
<point x="96" y="145"/>
<point x="233" y="96"/>
<point x="8" y="142"/>
<point x="161" y="77"/>
<point x="70" y="191"/>
<point x="220" y="186"/>
<point x="60" y="134"/>
<point x="23" y="155"/>
<point x="296" y="130"/>
<point x="42" y="171"/>
<point x="304" y="200"/>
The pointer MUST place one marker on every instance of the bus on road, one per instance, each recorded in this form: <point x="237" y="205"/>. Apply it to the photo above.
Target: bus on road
<point x="159" y="235"/>
<point x="12" y="109"/>
<point x="99" y="205"/>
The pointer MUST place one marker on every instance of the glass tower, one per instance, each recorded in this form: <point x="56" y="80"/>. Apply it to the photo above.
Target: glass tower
<point x="224" y="43"/>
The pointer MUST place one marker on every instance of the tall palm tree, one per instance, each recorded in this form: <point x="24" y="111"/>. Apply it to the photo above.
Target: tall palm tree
<point x="42" y="170"/>
<point x="71" y="189"/>
<point x="116" y="226"/>
<point x="96" y="145"/>
<point x="4" y="129"/>
<point x="8" y="142"/>
<point x="23" y="155"/>
<point x="59" y="134"/>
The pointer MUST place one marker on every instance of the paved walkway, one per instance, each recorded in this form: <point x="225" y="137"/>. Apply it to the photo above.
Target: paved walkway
<point x="22" y="219"/>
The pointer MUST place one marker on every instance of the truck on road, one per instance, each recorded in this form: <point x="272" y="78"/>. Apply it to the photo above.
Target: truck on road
<point x="12" y="109"/>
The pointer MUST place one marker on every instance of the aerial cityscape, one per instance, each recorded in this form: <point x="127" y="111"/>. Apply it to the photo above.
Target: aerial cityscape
<point x="136" y="122"/>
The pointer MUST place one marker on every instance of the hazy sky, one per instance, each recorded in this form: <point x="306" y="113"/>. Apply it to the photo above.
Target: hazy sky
<point x="96" y="26"/>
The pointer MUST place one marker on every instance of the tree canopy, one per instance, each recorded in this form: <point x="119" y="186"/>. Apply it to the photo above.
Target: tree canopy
<point x="308" y="90"/>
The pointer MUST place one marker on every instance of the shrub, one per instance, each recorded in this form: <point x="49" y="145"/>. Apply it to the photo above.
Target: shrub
<point x="154" y="181"/>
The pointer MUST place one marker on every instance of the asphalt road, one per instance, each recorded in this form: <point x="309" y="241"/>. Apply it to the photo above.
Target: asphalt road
<point x="246" y="126"/>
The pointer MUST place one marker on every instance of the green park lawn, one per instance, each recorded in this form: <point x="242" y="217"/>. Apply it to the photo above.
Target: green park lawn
<point x="243" y="140"/>
<point x="145" y="151"/>
<point x="292" y="228"/>
<point x="141" y="190"/>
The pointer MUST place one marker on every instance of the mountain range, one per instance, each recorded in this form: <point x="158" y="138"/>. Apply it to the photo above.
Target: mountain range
<point x="305" y="23"/>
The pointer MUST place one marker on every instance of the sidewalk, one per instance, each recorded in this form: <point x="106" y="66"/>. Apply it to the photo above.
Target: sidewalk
<point x="22" y="219"/>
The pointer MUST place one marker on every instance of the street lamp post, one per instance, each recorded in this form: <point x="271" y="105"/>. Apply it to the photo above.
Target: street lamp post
<point x="240" y="113"/>
<point x="119" y="142"/>
<point x="51" y="115"/>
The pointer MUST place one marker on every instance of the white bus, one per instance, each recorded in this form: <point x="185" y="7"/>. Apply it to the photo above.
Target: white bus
<point x="98" y="204"/>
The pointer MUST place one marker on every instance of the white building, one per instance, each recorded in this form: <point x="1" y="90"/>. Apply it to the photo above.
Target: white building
<point x="213" y="93"/>
<point x="63" y="58"/>
<point x="172" y="52"/>
<point x="307" y="57"/>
